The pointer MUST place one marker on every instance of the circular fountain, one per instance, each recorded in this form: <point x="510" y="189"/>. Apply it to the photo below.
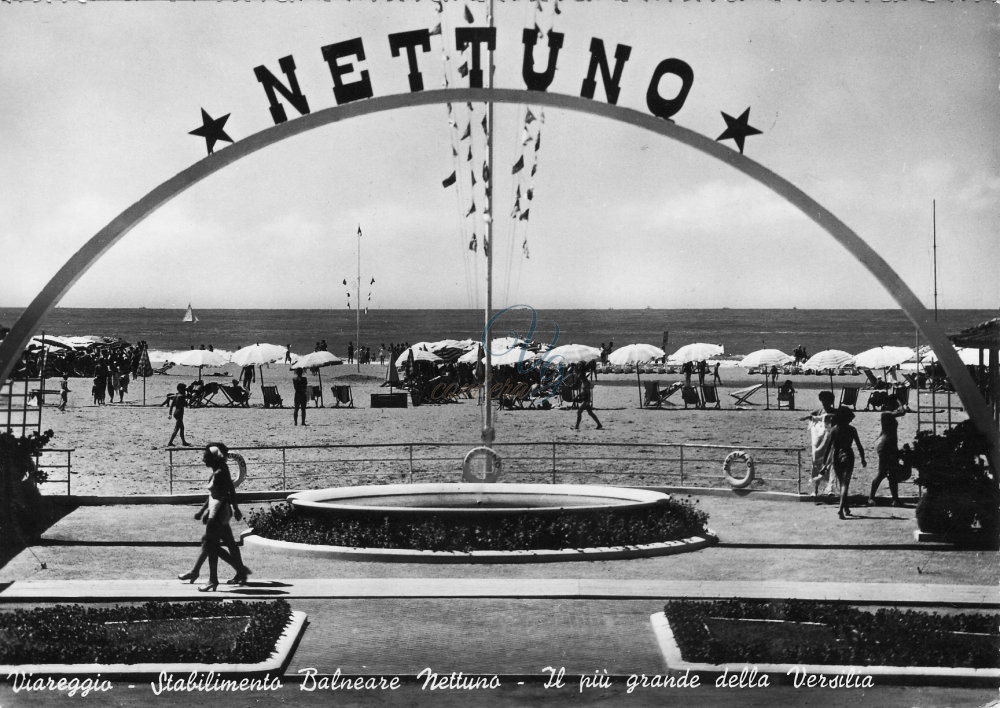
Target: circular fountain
<point x="491" y="509"/>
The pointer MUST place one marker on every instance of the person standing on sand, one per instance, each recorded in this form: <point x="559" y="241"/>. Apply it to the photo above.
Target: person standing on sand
<point x="887" y="448"/>
<point x="350" y="352"/>
<point x="843" y="438"/>
<point x="716" y="379"/>
<point x="177" y="405"/>
<point x="585" y="401"/>
<point x="288" y="354"/>
<point x="63" y="393"/>
<point x="301" y="386"/>
<point x="820" y="425"/>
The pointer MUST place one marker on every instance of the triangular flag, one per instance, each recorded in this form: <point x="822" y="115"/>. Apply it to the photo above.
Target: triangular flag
<point x="529" y="117"/>
<point x="486" y="172"/>
<point x="463" y="70"/>
<point x="472" y="174"/>
<point x="371" y="283"/>
<point x="435" y="30"/>
<point x="359" y="230"/>
<point x="524" y="247"/>
<point x="538" y="142"/>
<point x="556" y="5"/>
<point x="467" y="133"/>
<point x="468" y="105"/>
<point x="471" y="209"/>
<point x="345" y="281"/>
<point x="472" y="243"/>
<point x="468" y="15"/>
<point x="524" y="215"/>
<point x="531" y="193"/>
<point x="518" y="166"/>
<point x="485" y="129"/>
<point x="454" y="152"/>
<point x="469" y="156"/>
<point x="446" y="182"/>
<point x="534" y="168"/>
<point x="486" y="247"/>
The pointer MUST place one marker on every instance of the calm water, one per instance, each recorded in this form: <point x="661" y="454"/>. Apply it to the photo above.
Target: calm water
<point x="740" y="331"/>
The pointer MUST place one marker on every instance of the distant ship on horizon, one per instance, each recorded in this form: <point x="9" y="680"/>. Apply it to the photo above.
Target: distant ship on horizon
<point x="189" y="316"/>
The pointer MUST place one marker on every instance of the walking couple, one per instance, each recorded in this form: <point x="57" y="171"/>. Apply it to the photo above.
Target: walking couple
<point x="215" y="513"/>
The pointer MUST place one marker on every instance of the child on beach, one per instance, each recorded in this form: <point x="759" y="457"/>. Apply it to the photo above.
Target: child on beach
<point x="177" y="405"/>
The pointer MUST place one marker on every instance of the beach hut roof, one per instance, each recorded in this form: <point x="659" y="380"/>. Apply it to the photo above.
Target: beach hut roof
<point x="985" y="335"/>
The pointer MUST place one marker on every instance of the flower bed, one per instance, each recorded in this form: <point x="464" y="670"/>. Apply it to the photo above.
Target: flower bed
<point x="813" y="632"/>
<point x="671" y="521"/>
<point x="205" y="632"/>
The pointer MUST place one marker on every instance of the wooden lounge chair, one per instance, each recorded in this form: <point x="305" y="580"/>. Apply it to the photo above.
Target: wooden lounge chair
<point x="741" y="395"/>
<point x="710" y="396"/>
<point x="656" y="397"/>
<point x="201" y="396"/>
<point x="912" y="380"/>
<point x="849" y="396"/>
<point x="236" y="396"/>
<point x="873" y="381"/>
<point x="342" y="395"/>
<point x="271" y="397"/>
<point x="690" y="396"/>
<point x="786" y="396"/>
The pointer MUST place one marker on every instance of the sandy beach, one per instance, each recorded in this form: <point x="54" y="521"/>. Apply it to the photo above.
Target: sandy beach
<point x="122" y="448"/>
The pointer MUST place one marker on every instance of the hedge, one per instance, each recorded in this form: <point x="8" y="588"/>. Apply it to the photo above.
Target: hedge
<point x="73" y="634"/>
<point x="669" y="521"/>
<point x="885" y="637"/>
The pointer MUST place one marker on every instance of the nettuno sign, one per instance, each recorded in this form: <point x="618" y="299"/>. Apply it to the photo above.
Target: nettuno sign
<point x="352" y="82"/>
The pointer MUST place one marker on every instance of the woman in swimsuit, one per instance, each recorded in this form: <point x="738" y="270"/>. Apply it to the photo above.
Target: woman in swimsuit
<point x="841" y="454"/>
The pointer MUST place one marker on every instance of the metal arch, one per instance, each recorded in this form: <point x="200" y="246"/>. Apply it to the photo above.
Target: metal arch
<point x="22" y="330"/>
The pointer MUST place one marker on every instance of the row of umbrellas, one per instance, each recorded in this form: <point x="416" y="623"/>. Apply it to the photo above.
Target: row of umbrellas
<point x="254" y="355"/>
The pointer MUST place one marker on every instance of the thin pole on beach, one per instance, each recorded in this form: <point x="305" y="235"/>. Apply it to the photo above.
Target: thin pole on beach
<point x="488" y="434"/>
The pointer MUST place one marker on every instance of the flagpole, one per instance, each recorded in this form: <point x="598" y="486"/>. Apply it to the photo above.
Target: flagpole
<point x="357" y="309"/>
<point x="488" y="432"/>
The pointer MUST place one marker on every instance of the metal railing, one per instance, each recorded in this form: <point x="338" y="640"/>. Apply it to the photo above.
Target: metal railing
<point x="288" y="467"/>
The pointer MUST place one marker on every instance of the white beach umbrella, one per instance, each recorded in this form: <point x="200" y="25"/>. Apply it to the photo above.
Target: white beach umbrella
<point x="828" y="360"/>
<point x="317" y="360"/>
<point x="199" y="358"/>
<point x="766" y="358"/>
<point x="698" y="351"/>
<point x="471" y="356"/>
<point x="258" y="355"/>
<point x="572" y="354"/>
<point x="968" y="355"/>
<point x="882" y="357"/>
<point x="511" y="357"/>
<point x="636" y="354"/>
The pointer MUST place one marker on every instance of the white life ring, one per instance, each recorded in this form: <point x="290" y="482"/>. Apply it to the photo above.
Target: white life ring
<point x="241" y="464"/>
<point x="739" y="482"/>
<point x="481" y="464"/>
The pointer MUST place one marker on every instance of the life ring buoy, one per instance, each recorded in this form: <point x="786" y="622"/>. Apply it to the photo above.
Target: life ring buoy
<point x="481" y="464"/>
<point x="241" y="465"/>
<point x="739" y="482"/>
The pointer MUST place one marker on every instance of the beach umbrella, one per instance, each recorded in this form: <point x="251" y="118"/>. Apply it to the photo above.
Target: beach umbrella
<point x="766" y="358"/>
<point x="511" y="357"/>
<point x="882" y="357"/>
<point x="415" y="354"/>
<point x="258" y="355"/>
<point x="828" y="360"/>
<point x="317" y="360"/>
<point x="573" y="354"/>
<point x="968" y="355"/>
<point x="636" y="354"/>
<point x="472" y="356"/>
<point x="199" y="358"/>
<point x="698" y="351"/>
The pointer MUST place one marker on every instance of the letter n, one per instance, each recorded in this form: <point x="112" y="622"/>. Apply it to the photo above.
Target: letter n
<point x="598" y="57"/>
<point x="533" y="80"/>
<point x="292" y="93"/>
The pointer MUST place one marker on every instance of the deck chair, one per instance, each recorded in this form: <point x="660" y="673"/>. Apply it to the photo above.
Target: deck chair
<point x="849" y="396"/>
<point x="710" y="396"/>
<point x="741" y="395"/>
<point x="652" y="397"/>
<point x="911" y="380"/>
<point x="271" y="397"/>
<point x="873" y="381"/>
<point x="786" y="396"/>
<point x="315" y="395"/>
<point x="201" y="397"/>
<point x="902" y="394"/>
<point x="690" y="396"/>
<point x="236" y="396"/>
<point x="342" y="395"/>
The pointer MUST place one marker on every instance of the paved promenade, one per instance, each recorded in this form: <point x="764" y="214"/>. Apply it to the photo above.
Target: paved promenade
<point x="513" y="621"/>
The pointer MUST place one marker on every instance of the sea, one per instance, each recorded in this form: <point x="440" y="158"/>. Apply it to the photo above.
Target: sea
<point x="739" y="331"/>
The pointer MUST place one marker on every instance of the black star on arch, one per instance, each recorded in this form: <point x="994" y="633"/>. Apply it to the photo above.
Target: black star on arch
<point x="738" y="129"/>
<point x="212" y="130"/>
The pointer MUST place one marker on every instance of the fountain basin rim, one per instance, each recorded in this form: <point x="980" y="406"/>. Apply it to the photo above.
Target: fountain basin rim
<point x="584" y="498"/>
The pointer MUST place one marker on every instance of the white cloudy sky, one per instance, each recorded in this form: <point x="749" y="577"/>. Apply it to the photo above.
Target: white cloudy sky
<point x="873" y="109"/>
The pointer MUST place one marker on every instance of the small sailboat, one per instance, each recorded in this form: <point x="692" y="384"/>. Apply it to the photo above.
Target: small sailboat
<point x="189" y="316"/>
